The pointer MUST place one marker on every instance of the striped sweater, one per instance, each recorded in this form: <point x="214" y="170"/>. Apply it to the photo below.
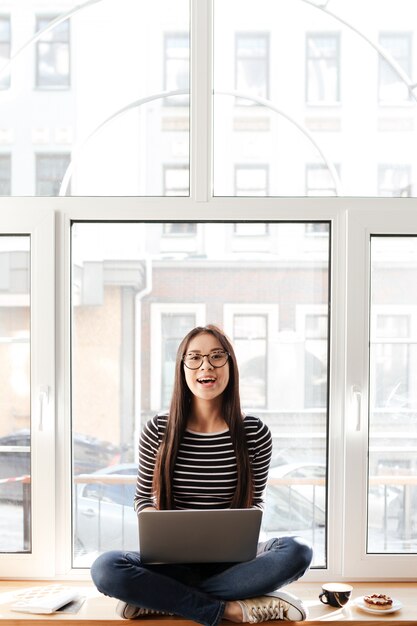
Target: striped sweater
<point x="205" y="474"/>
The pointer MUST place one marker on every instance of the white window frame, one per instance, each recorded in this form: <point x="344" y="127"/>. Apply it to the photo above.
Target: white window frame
<point x="362" y="225"/>
<point x="352" y="222"/>
<point x="37" y="221"/>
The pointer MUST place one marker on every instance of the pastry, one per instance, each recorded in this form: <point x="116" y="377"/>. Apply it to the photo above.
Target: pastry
<point x="378" y="601"/>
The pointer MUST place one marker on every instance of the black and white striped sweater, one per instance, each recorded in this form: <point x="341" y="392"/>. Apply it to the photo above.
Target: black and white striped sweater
<point x="205" y="474"/>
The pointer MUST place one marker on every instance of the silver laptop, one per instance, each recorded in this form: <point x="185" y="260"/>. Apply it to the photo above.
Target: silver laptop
<point x="194" y="536"/>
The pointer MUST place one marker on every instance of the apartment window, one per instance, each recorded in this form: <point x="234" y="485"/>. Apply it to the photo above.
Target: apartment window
<point x="251" y="180"/>
<point x="173" y="328"/>
<point x="5" y="46"/>
<point x="391" y="88"/>
<point x="252" y="65"/>
<point x="53" y="54"/>
<point x="250" y="336"/>
<point x="176" y="180"/>
<point x="50" y="170"/>
<point x="5" y="175"/>
<point x="319" y="180"/>
<point x="315" y="360"/>
<point x="177" y="66"/>
<point x="323" y="68"/>
<point x="392" y="360"/>
<point x="394" y="181"/>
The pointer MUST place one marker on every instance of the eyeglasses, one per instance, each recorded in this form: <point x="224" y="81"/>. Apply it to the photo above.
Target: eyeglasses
<point x="194" y="360"/>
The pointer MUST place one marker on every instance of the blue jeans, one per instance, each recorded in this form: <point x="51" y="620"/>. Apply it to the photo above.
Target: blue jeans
<point x="199" y="591"/>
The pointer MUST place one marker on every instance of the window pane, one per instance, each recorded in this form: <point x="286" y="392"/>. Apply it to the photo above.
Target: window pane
<point x="93" y="82"/>
<point x="398" y="47"/>
<point x="53" y="54"/>
<point x="5" y="34"/>
<point x="393" y="397"/>
<point x="252" y="65"/>
<point x="328" y="73"/>
<point x="5" y="174"/>
<point x="134" y="298"/>
<point x="15" y="434"/>
<point x="322" y="68"/>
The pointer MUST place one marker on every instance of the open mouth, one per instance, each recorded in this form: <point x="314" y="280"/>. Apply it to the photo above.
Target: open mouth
<point x="207" y="380"/>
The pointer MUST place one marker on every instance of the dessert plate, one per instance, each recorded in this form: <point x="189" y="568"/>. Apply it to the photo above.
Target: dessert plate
<point x="396" y="606"/>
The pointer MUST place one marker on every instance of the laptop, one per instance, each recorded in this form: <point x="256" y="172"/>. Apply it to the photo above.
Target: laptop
<point x="196" y="536"/>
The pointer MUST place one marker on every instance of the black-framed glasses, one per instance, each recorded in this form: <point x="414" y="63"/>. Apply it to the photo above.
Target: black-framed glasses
<point x="194" y="360"/>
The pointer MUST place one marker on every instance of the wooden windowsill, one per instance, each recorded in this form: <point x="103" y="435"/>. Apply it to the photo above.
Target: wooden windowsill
<point x="101" y="609"/>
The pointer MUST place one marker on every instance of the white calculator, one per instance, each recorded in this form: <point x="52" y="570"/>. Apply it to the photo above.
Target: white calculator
<point x="46" y="599"/>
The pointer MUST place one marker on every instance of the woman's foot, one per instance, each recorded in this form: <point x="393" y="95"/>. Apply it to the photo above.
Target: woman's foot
<point x="278" y="605"/>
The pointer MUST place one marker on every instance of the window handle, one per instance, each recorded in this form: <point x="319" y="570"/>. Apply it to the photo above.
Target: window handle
<point x="357" y="400"/>
<point x="43" y="400"/>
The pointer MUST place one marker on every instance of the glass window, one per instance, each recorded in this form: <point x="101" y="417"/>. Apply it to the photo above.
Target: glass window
<point x="173" y="328"/>
<point x="250" y="336"/>
<point x="319" y="180"/>
<point x="398" y="48"/>
<point x="315" y="373"/>
<point x="5" y="174"/>
<point x="251" y="180"/>
<point x="176" y="68"/>
<point x="132" y="303"/>
<point x="176" y="180"/>
<point x="53" y="54"/>
<point x="252" y="65"/>
<point x="395" y="181"/>
<point x="323" y="63"/>
<point x="5" y="46"/>
<point x="15" y="423"/>
<point x="392" y="493"/>
<point x="50" y="171"/>
<point x="116" y="125"/>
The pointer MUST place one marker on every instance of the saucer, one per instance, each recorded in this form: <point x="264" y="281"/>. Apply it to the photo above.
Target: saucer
<point x="396" y="605"/>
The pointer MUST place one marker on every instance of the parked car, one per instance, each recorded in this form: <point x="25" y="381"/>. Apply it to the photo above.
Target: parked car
<point x="90" y="454"/>
<point x="104" y="518"/>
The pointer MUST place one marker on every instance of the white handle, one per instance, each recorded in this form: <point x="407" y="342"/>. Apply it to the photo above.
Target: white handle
<point x="43" y="399"/>
<point x="357" y="398"/>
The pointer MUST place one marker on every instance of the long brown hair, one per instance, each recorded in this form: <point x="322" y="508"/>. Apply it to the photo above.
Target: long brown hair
<point x="177" y="421"/>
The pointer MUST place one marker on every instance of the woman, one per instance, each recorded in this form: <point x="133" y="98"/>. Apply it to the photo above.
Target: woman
<point x="205" y="422"/>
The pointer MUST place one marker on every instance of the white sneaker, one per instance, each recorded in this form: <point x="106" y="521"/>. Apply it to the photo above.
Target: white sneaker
<point x="276" y="605"/>
<point x="129" y="611"/>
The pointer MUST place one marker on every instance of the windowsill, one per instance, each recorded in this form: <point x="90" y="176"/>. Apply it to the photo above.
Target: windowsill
<point x="99" y="608"/>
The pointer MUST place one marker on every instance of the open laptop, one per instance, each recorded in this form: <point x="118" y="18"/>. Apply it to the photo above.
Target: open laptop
<point x="195" y="536"/>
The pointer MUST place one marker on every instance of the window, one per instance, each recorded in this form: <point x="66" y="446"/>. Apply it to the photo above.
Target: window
<point x="252" y="65"/>
<point x="319" y="180"/>
<point x="50" y="171"/>
<point x="251" y="340"/>
<point x="392" y="456"/>
<point x="315" y="283"/>
<point x="132" y="304"/>
<point x="53" y="55"/>
<point x="398" y="48"/>
<point x="251" y="180"/>
<point x="5" y="46"/>
<point x="176" y="66"/>
<point x="176" y="180"/>
<point x="394" y="181"/>
<point x="323" y="67"/>
<point x="315" y="360"/>
<point x="5" y="175"/>
<point x="15" y="433"/>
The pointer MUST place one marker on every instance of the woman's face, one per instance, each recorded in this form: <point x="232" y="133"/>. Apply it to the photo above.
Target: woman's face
<point x="206" y="382"/>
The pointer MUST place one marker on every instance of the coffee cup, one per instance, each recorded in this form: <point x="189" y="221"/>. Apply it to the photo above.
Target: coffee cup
<point x="335" y="594"/>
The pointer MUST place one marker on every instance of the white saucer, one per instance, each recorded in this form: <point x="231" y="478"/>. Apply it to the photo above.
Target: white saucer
<point x="396" y="605"/>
